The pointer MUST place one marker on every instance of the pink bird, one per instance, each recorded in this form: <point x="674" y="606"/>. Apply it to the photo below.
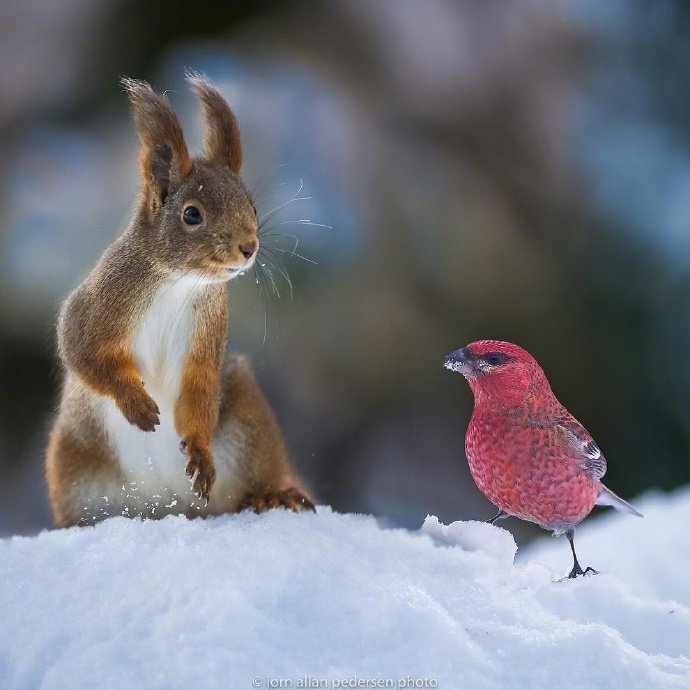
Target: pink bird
<point x="527" y="454"/>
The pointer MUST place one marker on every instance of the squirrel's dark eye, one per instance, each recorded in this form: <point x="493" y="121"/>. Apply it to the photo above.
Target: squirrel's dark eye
<point x="192" y="215"/>
<point x="496" y="358"/>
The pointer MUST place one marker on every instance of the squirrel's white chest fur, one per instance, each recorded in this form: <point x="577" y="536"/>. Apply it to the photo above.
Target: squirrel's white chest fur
<point x="161" y="340"/>
<point x="152" y="462"/>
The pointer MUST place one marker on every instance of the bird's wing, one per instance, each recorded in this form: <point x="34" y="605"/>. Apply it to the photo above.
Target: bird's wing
<point x="584" y="447"/>
<point x="593" y="460"/>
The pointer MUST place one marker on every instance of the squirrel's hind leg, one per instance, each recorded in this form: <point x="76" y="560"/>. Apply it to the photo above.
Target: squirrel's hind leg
<point x="254" y="471"/>
<point x="84" y="482"/>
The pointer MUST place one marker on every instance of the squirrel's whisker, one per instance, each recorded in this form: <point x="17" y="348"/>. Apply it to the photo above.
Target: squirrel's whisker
<point x="305" y="222"/>
<point x="290" y="252"/>
<point x="274" y="212"/>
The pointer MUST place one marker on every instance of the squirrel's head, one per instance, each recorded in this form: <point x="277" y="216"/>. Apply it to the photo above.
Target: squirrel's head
<point x="195" y="213"/>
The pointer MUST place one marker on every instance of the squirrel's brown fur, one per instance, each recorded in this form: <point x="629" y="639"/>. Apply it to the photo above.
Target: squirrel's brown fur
<point x="147" y="395"/>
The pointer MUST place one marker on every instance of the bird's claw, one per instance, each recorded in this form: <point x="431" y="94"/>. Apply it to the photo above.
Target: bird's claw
<point x="577" y="571"/>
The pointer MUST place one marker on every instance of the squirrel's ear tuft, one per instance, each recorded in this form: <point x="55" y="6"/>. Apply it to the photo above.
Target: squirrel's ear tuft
<point x="164" y="155"/>
<point x="222" y="141"/>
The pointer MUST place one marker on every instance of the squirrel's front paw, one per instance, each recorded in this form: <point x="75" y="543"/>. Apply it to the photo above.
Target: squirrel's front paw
<point x="140" y="409"/>
<point x="293" y="499"/>
<point x="200" y="469"/>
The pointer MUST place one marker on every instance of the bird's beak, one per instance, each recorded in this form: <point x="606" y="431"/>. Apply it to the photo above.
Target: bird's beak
<point x="462" y="361"/>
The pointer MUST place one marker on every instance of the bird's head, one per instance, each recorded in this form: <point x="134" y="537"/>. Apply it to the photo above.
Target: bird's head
<point x="496" y="369"/>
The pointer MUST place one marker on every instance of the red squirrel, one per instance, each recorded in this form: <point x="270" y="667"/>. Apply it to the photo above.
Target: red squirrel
<point x="154" y="419"/>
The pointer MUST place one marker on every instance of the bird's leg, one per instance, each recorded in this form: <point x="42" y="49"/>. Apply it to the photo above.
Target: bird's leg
<point x="577" y="570"/>
<point x="500" y="515"/>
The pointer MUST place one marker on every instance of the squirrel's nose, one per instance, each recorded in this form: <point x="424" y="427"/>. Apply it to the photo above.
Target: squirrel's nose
<point x="248" y="248"/>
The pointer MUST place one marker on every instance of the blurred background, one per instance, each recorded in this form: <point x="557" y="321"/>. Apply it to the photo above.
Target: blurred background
<point x="451" y="170"/>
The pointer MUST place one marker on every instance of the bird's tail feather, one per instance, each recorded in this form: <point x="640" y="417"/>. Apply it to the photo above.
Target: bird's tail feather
<point x="608" y="498"/>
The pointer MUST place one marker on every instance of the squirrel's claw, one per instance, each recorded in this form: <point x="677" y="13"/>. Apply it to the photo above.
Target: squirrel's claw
<point x="292" y="499"/>
<point x="202" y="487"/>
<point x="200" y="470"/>
<point x="140" y="409"/>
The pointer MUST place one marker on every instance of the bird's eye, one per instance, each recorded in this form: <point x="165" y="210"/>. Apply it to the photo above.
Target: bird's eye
<point x="496" y="358"/>
<point x="192" y="215"/>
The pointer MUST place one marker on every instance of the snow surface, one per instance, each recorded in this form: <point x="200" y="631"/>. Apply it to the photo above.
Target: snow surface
<point x="262" y="601"/>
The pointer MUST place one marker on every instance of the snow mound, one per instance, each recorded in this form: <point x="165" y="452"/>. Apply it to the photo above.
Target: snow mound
<point x="481" y="538"/>
<point x="331" y="600"/>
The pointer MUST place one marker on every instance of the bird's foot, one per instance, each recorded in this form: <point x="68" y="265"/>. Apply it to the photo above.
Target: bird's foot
<point x="500" y="515"/>
<point x="577" y="571"/>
